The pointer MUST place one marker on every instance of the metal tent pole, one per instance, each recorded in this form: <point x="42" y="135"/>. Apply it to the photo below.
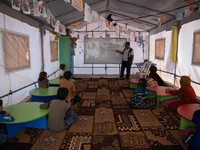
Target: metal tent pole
<point x="42" y="48"/>
<point x="178" y="27"/>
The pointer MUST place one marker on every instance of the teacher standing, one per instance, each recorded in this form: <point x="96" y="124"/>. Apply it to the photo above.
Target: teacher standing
<point x="127" y="60"/>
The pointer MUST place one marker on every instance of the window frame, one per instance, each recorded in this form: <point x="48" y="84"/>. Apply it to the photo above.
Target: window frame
<point x="15" y="34"/>
<point x="193" y="47"/>
<point x="160" y="39"/>
<point x="53" y="41"/>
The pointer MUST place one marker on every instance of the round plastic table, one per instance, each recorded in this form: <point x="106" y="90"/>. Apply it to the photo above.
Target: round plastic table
<point x="26" y="114"/>
<point x="186" y="112"/>
<point x="44" y="94"/>
<point x="161" y="94"/>
<point x="134" y="82"/>
<point x="56" y="82"/>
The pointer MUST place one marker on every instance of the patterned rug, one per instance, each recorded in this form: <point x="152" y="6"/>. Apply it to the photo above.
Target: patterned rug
<point x="106" y="121"/>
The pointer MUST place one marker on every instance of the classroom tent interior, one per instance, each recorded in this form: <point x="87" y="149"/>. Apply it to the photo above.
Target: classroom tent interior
<point x="139" y="16"/>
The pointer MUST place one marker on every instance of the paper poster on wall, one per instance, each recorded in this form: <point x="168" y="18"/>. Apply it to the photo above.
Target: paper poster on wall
<point x="63" y="30"/>
<point x="25" y="7"/>
<point x="163" y="18"/>
<point x="37" y="8"/>
<point x="16" y="4"/>
<point x="102" y="23"/>
<point x="48" y="16"/>
<point x="107" y="23"/>
<point x="95" y="16"/>
<point x="111" y="26"/>
<point x="44" y="13"/>
<point x="159" y="24"/>
<point x="129" y="32"/>
<point x="78" y="4"/>
<point x="134" y="34"/>
<point x="179" y="15"/>
<point x="120" y="28"/>
<point x="53" y="20"/>
<point x="189" y="10"/>
<point x="116" y="29"/>
<point x="71" y="28"/>
<point x="67" y="1"/>
<point x="87" y="17"/>
<point x="125" y="31"/>
<point x="57" y="25"/>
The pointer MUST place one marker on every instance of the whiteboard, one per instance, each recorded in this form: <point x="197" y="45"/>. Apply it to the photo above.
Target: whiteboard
<point x="103" y="50"/>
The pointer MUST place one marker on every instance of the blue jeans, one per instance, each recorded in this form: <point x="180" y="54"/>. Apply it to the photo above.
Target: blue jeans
<point x="3" y="136"/>
<point x="127" y="65"/>
<point x="70" y="119"/>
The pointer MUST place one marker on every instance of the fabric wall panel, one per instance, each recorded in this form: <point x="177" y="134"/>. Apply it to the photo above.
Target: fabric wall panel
<point x="16" y="79"/>
<point x="165" y="64"/>
<point x="185" y="52"/>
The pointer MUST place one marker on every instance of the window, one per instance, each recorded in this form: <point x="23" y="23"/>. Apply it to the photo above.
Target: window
<point x="54" y="50"/>
<point x="16" y="50"/>
<point x="196" y="49"/>
<point x="160" y="49"/>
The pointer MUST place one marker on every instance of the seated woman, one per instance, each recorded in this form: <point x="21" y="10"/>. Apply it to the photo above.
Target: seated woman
<point x="186" y="91"/>
<point x="140" y="93"/>
<point x="155" y="76"/>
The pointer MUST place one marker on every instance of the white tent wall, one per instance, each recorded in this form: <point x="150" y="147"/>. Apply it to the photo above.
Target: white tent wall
<point x="185" y="50"/>
<point x="17" y="79"/>
<point x="165" y="64"/>
<point x="79" y="51"/>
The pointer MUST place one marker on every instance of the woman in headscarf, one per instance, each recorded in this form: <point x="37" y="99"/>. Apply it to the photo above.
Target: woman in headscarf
<point x="153" y="74"/>
<point x="186" y="91"/>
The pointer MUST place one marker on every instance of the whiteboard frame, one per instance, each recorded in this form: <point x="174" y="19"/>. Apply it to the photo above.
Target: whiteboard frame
<point x="99" y="62"/>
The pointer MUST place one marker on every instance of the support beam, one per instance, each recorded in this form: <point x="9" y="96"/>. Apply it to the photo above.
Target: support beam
<point x="107" y="5"/>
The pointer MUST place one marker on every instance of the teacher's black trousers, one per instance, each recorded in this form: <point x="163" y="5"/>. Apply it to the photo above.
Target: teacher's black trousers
<point x="127" y="65"/>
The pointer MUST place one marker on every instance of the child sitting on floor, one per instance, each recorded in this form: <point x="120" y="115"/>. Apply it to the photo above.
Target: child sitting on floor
<point x="186" y="91"/>
<point x="193" y="138"/>
<point x="61" y="72"/>
<point x="70" y="86"/>
<point x="42" y="80"/>
<point x="4" y="117"/>
<point x="140" y="93"/>
<point x="57" y="121"/>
